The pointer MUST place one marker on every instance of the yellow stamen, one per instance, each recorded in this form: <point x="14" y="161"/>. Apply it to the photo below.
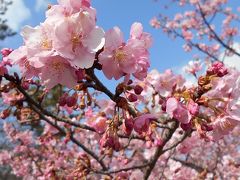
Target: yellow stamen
<point x="75" y="41"/>
<point x="120" y="55"/>
<point x="57" y="66"/>
<point x="46" y="44"/>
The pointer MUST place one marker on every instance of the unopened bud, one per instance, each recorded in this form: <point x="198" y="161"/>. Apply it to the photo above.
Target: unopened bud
<point x="71" y="101"/>
<point x="129" y="82"/>
<point x="122" y="102"/>
<point x="186" y="127"/>
<point x="5" y="113"/>
<point x="132" y="97"/>
<point x="120" y="88"/>
<point x="6" y="51"/>
<point x="206" y="127"/>
<point x="25" y="85"/>
<point x="138" y="89"/>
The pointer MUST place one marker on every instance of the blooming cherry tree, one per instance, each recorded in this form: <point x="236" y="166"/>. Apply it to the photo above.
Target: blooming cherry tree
<point x="63" y="122"/>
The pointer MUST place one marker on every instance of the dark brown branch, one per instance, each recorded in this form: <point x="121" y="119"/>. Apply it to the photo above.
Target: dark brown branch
<point x="196" y="46"/>
<point x="91" y="153"/>
<point x="121" y="170"/>
<point x="167" y="135"/>
<point x="191" y="43"/>
<point x="215" y="34"/>
<point x="178" y="142"/>
<point x="100" y="87"/>
<point x="41" y="112"/>
<point x="199" y="169"/>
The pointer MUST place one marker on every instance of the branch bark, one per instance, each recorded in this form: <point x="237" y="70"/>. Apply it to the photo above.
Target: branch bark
<point x="167" y="134"/>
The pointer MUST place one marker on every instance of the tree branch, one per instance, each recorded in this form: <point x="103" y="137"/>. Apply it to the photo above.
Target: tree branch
<point x="215" y="34"/>
<point x="167" y="134"/>
<point x="41" y="112"/>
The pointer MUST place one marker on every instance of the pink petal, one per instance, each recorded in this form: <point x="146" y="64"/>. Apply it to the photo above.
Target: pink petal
<point x="114" y="38"/>
<point x="95" y="40"/>
<point x="83" y="59"/>
<point x="136" y="30"/>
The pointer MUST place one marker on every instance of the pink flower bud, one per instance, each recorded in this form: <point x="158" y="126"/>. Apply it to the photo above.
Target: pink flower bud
<point x="5" y="113"/>
<point x="6" y="51"/>
<point x="217" y="68"/>
<point x="72" y="100"/>
<point x="162" y="102"/>
<point x="63" y="99"/>
<point x="186" y="127"/>
<point x="110" y="140"/>
<point x="138" y="89"/>
<point x="158" y="142"/>
<point x="206" y="127"/>
<point x="132" y="97"/>
<point x="128" y="126"/>
<point x="25" y="85"/>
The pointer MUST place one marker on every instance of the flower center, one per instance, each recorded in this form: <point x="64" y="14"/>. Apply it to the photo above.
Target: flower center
<point x="76" y="39"/>
<point x="57" y="66"/>
<point x="46" y="44"/>
<point x="120" y="55"/>
<point x="26" y="63"/>
<point x="227" y="125"/>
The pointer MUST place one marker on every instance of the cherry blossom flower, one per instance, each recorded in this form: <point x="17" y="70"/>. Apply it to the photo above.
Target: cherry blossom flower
<point x="155" y="23"/>
<point x="177" y="110"/>
<point x="193" y="67"/>
<point x="56" y="70"/>
<point x="126" y="58"/>
<point x="82" y="39"/>
<point x="141" y="123"/>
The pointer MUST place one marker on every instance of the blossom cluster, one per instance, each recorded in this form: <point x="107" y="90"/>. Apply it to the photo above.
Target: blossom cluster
<point x="154" y="124"/>
<point x="66" y="43"/>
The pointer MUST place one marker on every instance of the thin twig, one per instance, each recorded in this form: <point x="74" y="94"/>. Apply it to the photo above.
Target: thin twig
<point x="167" y="135"/>
<point x="215" y="34"/>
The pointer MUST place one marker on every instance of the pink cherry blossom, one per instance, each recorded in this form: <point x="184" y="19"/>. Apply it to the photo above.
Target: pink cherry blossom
<point x="19" y="57"/>
<point x="126" y="58"/>
<point x="222" y="126"/>
<point x="6" y="51"/>
<point x="82" y="39"/>
<point x="217" y="68"/>
<point x="193" y="107"/>
<point x="141" y="123"/>
<point x="165" y="83"/>
<point x="56" y="70"/>
<point x="177" y="110"/>
<point x="155" y="23"/>
<point x="193" y="67"/>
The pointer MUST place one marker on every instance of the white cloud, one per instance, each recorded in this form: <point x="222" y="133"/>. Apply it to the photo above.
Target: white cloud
<point x="233" y="61"/>
<point x="16" y="14"/>
<point x="41" y="4"/>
